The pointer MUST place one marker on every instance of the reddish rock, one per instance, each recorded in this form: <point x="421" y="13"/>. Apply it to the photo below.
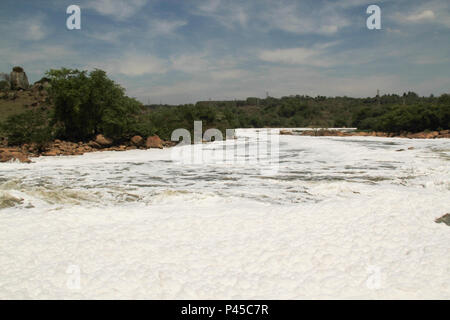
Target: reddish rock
<point x="154" y="142"/>
<point x="51" y="153"/>
<point x="137" y="141"/>
<point x="15" y="154"/>
<point x="103" y="141"/>
<point x="94" y="145"/>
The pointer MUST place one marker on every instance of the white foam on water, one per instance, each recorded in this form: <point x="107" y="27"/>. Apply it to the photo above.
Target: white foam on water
<point x="343" y="218"/>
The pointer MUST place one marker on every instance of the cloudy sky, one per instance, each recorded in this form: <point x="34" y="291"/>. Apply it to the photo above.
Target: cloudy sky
<point x="182" y="51"/>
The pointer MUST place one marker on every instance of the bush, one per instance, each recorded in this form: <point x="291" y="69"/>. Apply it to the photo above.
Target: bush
<point x="28" y="127"/>
<point x="4" y="85"/>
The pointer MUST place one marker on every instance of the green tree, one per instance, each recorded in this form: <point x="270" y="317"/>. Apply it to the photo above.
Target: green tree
<point x="88" y="104"/>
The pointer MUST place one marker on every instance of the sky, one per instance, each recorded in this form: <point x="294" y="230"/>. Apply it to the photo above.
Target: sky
<point x="183" y="51"/>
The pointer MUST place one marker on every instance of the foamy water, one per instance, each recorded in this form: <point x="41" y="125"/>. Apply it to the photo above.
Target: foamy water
<point x="342" y="218"/>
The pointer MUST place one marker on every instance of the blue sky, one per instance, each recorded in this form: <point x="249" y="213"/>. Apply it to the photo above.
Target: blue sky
<point x="188" y="50"/>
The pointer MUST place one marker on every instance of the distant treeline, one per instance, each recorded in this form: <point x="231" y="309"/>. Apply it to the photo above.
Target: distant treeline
<point x="388" y="113"/>
<point x="86" y="104"/>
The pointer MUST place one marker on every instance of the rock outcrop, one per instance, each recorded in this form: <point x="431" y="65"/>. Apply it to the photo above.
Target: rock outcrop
<point x="18" y="79"/>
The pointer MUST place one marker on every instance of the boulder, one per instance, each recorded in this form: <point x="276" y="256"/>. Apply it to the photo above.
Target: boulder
<point x="103" y="141"/>
<point x="137" y="141"/>
<point x="19" y="79"/>
<point x="154" y="142"/>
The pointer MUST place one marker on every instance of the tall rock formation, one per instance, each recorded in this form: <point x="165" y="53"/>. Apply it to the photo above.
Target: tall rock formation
<point x="18" y="79"/>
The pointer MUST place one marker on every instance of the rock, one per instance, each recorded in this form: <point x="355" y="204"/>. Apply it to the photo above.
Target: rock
<point x="444" y="219"/>
<point x="154" y="142"/>
<point x="52" y="153"/>
<point x="19" y="79"/>
<point x="411" y="148"/>
<point x="137" y="141"/>
<point x="103" y="141"/>
<point x="400" y="150"/>
<point x="285" y="132"/>
<point x="11" y="155"/>
<point x="21" y="157"/>
<point x="169" y="143"/>
<point x="5" y="156"/>
<point x="94" y="145"/>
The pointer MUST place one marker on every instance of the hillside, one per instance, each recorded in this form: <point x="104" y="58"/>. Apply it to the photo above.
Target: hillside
<point x="17" y="102"/>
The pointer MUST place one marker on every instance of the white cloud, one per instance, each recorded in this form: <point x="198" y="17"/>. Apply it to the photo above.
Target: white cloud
<point x="35" y="31"/>
<point x="295" y="19"/>
<point x="432" y="12"/>
<point x="132" y="64"/>
<point x="37" y="53"/>
<point x="209" y="6"/>
<point x="312" y="56"/>
<point x="165" y="27"/>
<point x="119" y="9"/>
<point x="108" y="36"/>
<point x="227" y="13"/>
<point x="30" y="28"/>
<point x="421" y="16"/>
<point x="290" y="56"/>
<point x="228" y="74"/>
<point x="190" y="63"/>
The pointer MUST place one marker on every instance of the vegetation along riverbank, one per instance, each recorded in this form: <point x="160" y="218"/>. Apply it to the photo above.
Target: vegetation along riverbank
<point x="70" y="112"/>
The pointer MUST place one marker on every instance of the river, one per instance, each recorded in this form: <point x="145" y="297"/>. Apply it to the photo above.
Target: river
<point x="340" y="217"/>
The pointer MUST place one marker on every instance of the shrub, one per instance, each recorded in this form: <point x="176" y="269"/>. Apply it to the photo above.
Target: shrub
<point x="4" y="85"/>
<point x="28" y="127"/>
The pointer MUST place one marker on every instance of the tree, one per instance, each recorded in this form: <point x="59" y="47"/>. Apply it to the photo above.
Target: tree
<point x="88" y="104"/>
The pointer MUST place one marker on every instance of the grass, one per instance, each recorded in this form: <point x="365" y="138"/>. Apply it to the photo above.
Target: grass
<point x="17" y="106"/>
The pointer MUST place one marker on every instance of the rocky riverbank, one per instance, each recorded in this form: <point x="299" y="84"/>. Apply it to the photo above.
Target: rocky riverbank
<point x="337" y="133"/>
<point x="65" y="148"/>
